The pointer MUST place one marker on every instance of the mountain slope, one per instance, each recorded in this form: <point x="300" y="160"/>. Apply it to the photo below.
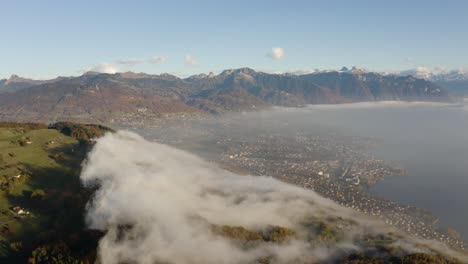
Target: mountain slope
<point x="15" y="83"/>
<point x="376" y="87"/>
<point x="102" y="97"/>
<point x="454" y="81"/>
<point x="456" y="87"/>
<point x="98" y="96"/>
<point x="321" y="87"/>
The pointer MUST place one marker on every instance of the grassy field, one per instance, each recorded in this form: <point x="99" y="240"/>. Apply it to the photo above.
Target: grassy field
<point x="36" y="166"/>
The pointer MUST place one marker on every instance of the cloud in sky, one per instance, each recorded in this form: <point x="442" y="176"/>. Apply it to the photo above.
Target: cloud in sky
<point x="190" y="60"/>
<point x="133" y="61"/>
<point x="410" y="61"/>
<point x="276" y="53"/>
<point x="102" y="68"/>
<point x="112" y="68"/>
<point x="158" y="59"/>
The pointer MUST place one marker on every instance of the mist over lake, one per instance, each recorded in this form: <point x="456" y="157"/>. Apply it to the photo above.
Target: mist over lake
<point x="430" y="141"/>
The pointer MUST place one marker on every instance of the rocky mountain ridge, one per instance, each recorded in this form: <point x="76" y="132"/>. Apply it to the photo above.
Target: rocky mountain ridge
<point x="105" y="96"/>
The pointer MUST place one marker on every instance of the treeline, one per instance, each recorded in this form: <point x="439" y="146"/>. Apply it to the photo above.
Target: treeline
<point x="276" y="234"/>
<point x="25" y="126"/>
<point x="82" y="132"/>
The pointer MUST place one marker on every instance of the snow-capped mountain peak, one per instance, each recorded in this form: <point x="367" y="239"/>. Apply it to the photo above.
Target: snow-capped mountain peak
<point x="437" y="73"/>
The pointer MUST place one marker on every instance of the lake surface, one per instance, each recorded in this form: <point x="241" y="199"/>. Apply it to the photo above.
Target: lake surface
<point x="429" y="140"/>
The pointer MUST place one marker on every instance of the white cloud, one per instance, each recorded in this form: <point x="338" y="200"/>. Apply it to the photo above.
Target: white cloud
<point x="169" y="199"/>
<point x="190" y="60"/>
<point x="133" y="61"/>
<point x="112" y="68"/>
<point x="171" y="207"/>
<point x="462" y="70"/>
<point x="158" y="59"/>
<point x="102" y="68"/>
<point x="276" y="53"/>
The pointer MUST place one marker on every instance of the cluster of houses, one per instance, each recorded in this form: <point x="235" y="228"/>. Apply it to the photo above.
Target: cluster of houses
<point x="340" y="181"/>
<point x="20" y="211"/>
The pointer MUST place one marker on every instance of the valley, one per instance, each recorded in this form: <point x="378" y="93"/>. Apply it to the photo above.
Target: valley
<point x="43" y="201"/>
<point x="336" y="166"/>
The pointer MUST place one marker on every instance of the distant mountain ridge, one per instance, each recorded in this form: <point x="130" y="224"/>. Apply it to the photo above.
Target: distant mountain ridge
<point x="15" y="83"/>
<point x="105" y="96"/>
<point x="455" y="81"/>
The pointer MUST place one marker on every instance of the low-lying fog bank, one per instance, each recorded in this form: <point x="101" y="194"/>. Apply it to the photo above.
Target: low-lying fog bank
<point x="428" y="139"/>
<point x="159" y="204"/>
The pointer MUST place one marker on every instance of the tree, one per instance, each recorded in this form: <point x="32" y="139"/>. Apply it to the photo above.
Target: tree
<point x="57" y="254"/>
<point x="278" y="234"/>
<point x="38" y="194"/>
<point x="22" y="141"/>
<point x="16" y="246"/>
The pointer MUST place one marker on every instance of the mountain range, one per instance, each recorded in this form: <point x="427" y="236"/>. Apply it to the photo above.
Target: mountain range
<point x="455" y="81"/>
<point x="102" y="97"/>
<point x="15" y="83"/>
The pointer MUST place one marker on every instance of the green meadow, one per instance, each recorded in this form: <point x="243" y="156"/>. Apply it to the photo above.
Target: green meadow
<point x="41" y="198"/>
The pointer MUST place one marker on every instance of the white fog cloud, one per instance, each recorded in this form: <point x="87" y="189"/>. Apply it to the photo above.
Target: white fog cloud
<point x="133" y="61"/>
<point x="190" y="60"/>
<point x="170" y="198"/>
<point x="276" y="53"/>
<point x="158" y="59"/>
<point x="112" y="68"/>
<point x="102" y="68"/>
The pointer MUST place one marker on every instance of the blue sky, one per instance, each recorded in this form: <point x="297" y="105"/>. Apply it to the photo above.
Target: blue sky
<point x="44" y="39"/>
